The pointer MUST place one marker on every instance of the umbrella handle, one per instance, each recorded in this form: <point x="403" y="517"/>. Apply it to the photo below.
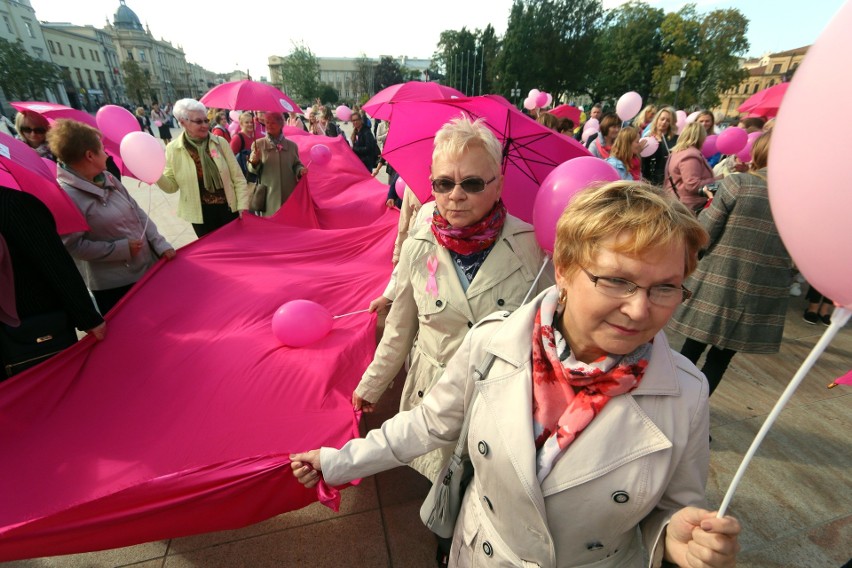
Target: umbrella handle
<point x="838" y="320"/>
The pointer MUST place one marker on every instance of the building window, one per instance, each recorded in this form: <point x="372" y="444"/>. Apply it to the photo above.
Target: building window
<point x="39" y="53"/>
<point x="71" y="50"/>
<point x="772" y="83"/>
<point x="29" y="27"/>
<point x="97" y="57"/>
<point x="141" y="55"/>
<point x="51" y="47"/>
<point x="79" y="77"/>
<point x="776" y="68"/>
<point x="756" y="88"/>
<point x="130" y="55"/>
<point x="82" y="53"/>
<point x="8" y="24"/>
<point x="59" y="47"/>
<point x="91" y="55"/>
<point x="89" y="76"/>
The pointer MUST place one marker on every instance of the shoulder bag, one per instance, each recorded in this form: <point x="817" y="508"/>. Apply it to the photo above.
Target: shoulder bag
<point x="257" y="200"/>
<point x="441" y="507"/>
<point x="37" y="338"/>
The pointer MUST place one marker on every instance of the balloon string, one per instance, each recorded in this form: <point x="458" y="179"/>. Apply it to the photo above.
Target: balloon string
<point x="535" y="282"/>
<point x="838" y="320"/>
<point x="353" y="313"/>
<point x="147" y="214"/>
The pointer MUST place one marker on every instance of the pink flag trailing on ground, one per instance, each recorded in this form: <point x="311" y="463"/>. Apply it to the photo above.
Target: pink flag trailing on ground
<point x="182" y="419"/>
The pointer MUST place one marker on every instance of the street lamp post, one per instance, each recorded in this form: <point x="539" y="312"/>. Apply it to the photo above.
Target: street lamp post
<point x="677" y="80"/>
<point x="516" y="93"/>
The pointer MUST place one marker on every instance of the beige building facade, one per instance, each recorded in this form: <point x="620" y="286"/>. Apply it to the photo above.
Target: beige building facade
<point x="764" y="72"/>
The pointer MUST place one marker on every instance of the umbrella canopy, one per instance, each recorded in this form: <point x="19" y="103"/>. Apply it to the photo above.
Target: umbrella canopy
<point x="249" y="95"/>
<point x="22" y="168"/>
<point x="54" y="111"/>
<point x="530" y="150"/>
<point x="381" y="104"/>
<point x="567" y="111"/>
<point x="766" y="102"/>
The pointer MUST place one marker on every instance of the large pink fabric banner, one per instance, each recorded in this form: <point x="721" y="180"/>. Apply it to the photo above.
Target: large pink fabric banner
<point x="182" y="419"/>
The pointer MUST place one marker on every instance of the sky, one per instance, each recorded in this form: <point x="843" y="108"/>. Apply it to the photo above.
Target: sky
<point x="224" y="39"/>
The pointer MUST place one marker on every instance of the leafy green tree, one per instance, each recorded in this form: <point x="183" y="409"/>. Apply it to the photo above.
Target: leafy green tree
<point x="388" y="72"/>
<point x="300" y="73"/>
<point x="627" y="51"/>
<point x="455" y="57"/>
<point x="25" y="77"/>
<point x="135" y="79"/>
<point x="364" y="77"/>
<point x="328" y="94"/>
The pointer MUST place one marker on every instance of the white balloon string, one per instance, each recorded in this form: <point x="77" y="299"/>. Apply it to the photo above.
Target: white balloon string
<point x="147" y="213"/>
<point x="535" y="282"/>
<point x="351" y="313"/>
<point x="838" y="320"/>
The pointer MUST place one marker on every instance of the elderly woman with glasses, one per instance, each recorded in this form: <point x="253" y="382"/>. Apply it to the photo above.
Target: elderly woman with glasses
<point x="32" y="130"/>
<point x="587" y="425"/>
<point x="203" y="168"/>
<point x="275" y="161"/>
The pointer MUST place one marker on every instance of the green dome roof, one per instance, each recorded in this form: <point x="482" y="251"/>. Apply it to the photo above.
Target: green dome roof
<point x="126" y="19"/>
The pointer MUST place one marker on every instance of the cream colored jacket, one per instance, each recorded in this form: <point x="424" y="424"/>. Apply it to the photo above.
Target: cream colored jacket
<point x="641" y="459"/>
<point x="435" y="326"/>
<point x="180" y="174"/>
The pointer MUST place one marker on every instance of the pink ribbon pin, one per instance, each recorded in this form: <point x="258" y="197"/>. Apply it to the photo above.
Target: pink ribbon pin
<point x="431" y="283"/>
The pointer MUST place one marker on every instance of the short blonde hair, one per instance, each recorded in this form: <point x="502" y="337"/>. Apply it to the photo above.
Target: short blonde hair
<point x="34" y="118"/>
<point x="693" y="136"/>
<point x="69" y="140"/>
<point x="460" y="134"/>
<point x="650" y="217"/>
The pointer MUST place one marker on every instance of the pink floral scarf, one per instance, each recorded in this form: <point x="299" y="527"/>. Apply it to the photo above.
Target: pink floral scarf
<point x="567" y="393"/>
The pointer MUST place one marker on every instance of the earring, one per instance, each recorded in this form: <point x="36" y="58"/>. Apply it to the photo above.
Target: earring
<point x="563" y="295"/>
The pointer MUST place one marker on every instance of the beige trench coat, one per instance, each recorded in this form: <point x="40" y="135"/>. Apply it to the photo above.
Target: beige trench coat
<point x="435" y="326"/>
<point x="641" y="459"/>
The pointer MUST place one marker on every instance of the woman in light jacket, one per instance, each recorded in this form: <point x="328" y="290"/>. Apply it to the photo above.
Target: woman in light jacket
<point x="203" y="168"/>
<point x="121" y="243"/>
<point x="587" y="424"/>
<point x="688" y="171"/>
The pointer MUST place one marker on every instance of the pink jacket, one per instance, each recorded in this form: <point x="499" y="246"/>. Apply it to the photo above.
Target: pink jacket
<point x="690" y="172"/>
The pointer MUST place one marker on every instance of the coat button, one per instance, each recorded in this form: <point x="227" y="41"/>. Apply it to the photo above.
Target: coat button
<point x="488" y="502"/>
<point x="620" y="497"/>
<point x="500" y="302"/>
<point x="486" y="548"/>
<point x="482" y="447"/>
<point x="469" y="324"/>
<point x="439" y="303"/>
<point x="594" y="546"/>
<point x="420" y="394"/>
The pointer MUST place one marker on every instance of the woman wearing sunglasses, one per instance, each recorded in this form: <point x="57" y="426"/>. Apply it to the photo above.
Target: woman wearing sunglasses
<point x="203" y="168"/>
<point x="32" y="129"/>
<point x="587" y="425"/>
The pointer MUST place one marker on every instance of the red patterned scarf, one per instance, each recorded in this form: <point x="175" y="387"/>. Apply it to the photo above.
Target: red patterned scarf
<point x="567" y="393"/>
<point x="473" y="238"/>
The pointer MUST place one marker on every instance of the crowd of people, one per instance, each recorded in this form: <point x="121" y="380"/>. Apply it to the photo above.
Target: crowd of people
<point x="557" y="388"/>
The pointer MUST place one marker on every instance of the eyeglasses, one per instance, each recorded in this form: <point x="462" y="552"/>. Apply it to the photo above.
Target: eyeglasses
<point x="469" y="185"/>
<point x="198" y="120"/>
<point x="37" y="130"/>
<point x="664" y="295"/>
<point x="354" y="119"/>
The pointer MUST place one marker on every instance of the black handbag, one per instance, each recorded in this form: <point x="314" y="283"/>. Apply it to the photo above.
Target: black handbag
<point x="441" y="507"/>
<point x="257" y="199"/>
<point x="35" y="340"/>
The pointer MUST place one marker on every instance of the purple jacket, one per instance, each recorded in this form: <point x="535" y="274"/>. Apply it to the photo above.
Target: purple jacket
<point x="690" y="172"/>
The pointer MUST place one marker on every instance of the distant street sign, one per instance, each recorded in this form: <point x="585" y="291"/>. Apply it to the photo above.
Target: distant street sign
<point x="675" y="83"/>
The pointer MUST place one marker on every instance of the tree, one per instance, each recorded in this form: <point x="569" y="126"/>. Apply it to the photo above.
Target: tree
<point x="627" y="51"/>
<point x="300" y="73"/>
<point x="22" y="76"/>
<point x="135" y="79"/>
<point x="388" y="72"/>
<point x="458" y="58"/>
<point x="328" y="94"/>
<point x="364" y="77"/>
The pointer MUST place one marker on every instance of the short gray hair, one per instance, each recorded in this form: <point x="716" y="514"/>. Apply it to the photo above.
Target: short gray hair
<point x="183" y="107"/>
<point x="462" y="133"/>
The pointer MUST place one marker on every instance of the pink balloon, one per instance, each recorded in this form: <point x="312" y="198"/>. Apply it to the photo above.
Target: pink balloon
<point x="301" y="322"/>
<point x="343" y="113"/>
<point x="651" y="145"/>
<point x="680" y="120"/>
<point x="233" y="128"/>
<point x="709" y="147"/>
<point x="732" y="140"/>
<point x="529" y="103"/>
<point x="592" y="124"/>
<point x="144" y="156"/>
<point x="549" y="99"/>
<point x="628" y="105"/>
<point x="320" y="154"/>
<point x="589" y="133"/>
<point x="533" y="93"/>
<point x="811" y="203"/>
<point x="116" y="122"/>
<point x="400" y="186"/>
<point x="744" y="155"/>
<point x="541" y="100"/>
<point x="693" y="117"/>
<point x="234" y="115"/>
<point x="559" y="187"/>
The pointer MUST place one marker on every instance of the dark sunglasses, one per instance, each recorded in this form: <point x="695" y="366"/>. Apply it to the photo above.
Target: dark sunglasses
<point x="468" y="185"/>
<point x="37" y="130"/>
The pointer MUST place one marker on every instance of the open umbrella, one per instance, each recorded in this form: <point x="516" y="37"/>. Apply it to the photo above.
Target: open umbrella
<point x="249" y="95"/>
<point x="22" y="168"/>
<point x="567" y="111"/>
<point x="381" y="104"/>
<point x="54" y="111"/>
<point x="530" y="150"/>
<point x="766" y="102"/>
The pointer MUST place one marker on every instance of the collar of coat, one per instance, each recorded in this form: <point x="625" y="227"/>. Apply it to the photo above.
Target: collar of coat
<point x="69" y="178"/>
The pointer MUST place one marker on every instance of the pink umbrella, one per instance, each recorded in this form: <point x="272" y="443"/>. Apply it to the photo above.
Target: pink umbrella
<point x="530" y="150"/>
<point x="22" y="168"/>
<point x="381" y="104"/>
<point x="54" y="111"/>
<point x="766" y="102"/>
<point x="249" y="95"/>
<point x="567" y="111"/>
